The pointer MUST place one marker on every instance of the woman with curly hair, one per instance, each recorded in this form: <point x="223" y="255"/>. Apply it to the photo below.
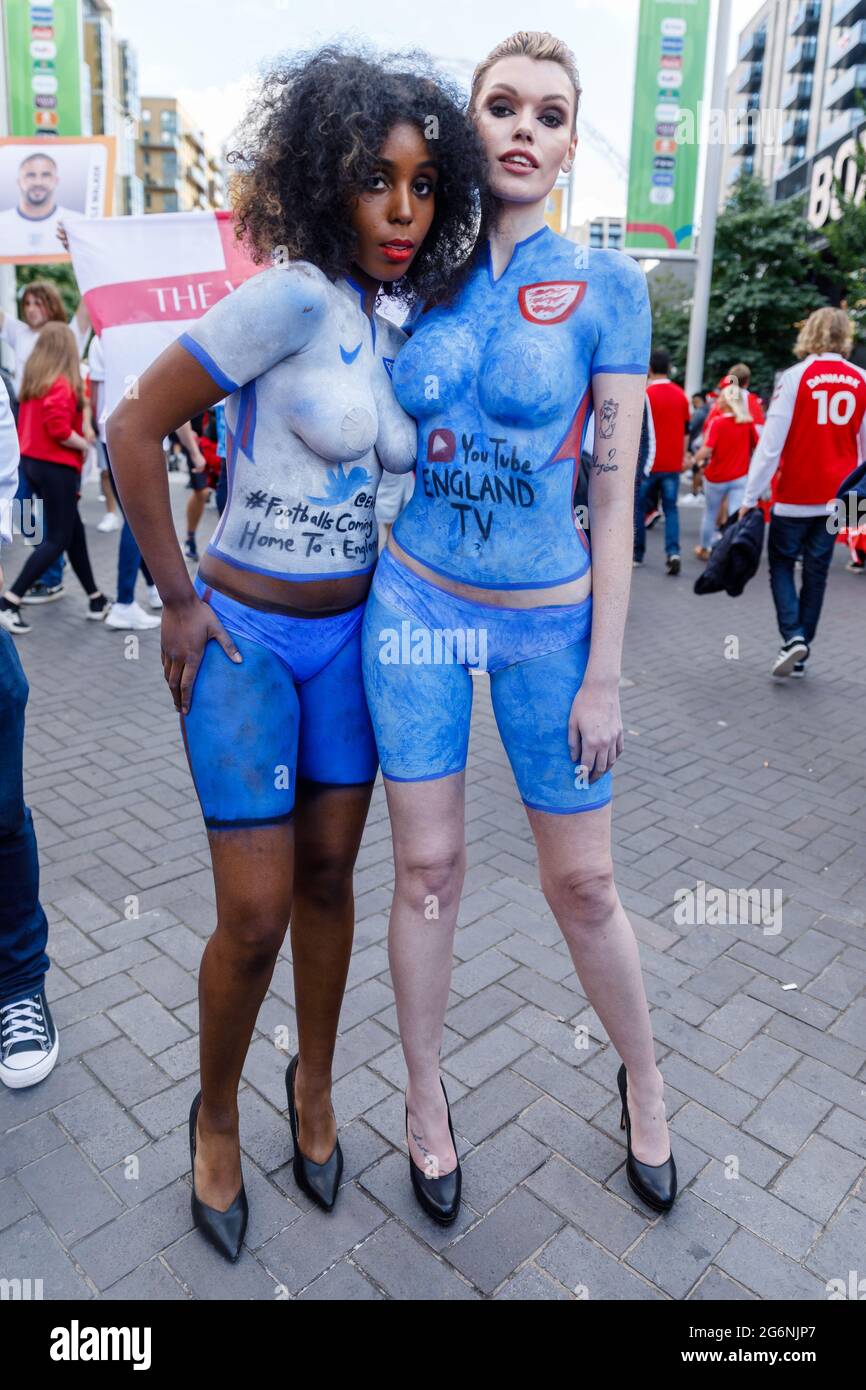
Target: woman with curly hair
<point x="354" y="174"/>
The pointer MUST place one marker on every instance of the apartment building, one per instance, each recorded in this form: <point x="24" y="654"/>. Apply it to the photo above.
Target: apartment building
<point x="599" y="232"/>
<point x="178" y="171"/>
<point x="801" y="64"/>
<point x="110" y="103"/>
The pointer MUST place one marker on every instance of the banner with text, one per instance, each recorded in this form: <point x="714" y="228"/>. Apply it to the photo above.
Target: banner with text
<point x="43" y="66"/>
<point x="663" y="166"/>
<point x="145" y="279"/>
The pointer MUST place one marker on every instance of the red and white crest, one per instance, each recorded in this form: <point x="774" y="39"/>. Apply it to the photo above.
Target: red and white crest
<point x="550" y="301"/>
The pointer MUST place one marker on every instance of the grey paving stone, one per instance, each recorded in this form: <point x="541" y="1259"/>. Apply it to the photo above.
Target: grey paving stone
<point x="342" y="1283"/>
<point x="531" y="1285"/>
<point x="487" y="1055"/>
<point x="499" y="1164"/>
<point x="126" y="1072"/>
<point x="318" y="1239"/>
<point x="30" y="1251"/>
<point x="51" y="1182"/>
<point x="590" y="1272"/>
<point x="760" y="1066"/>
<point x="491" y="1105"/>
<point x="767" y="1272"/>
<point x="208" y="1275"/>
<point x="760" y="1212"/>
<point x="819" y="1178"/>
<point x="787" y="1117"/>
<point x="716" y="1287"/>
<point x="588" y="1207"/>
<point x="151" y="1027"/>
<point x="408" y="1271"/>
<point x="840" y="1248"/>
<point x="100" y="1127"/>
<point x="152" y="1282"/>
<point x="512" y="1233"/>
<point x="674" y="1252"/>
<point x="134" y="1237"/>
<point x="14" y="1202"/>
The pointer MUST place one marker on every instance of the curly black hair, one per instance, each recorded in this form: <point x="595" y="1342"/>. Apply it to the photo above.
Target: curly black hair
<point x="311" y="140"/>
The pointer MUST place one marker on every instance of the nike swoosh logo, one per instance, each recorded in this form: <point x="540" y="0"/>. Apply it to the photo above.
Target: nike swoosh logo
<point x="349" y="357"/>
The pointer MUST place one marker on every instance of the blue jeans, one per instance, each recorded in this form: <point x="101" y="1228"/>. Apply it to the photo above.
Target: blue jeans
<point x="790" y="538"/>
<point x="54" y="574"/>
<point x="669" y="483"/>
<point x="23" y="925"/>
<point x="715" y="493"/>
<point x="129" y="559"/>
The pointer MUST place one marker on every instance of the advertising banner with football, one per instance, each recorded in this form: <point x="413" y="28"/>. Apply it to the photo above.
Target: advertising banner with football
<point x="663" y="168"/>
<point x="43" y="66"/>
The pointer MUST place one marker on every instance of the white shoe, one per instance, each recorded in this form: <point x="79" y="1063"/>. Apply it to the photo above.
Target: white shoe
<point x="110" y="522"/>
<point x="12" y="620"/>
<point x="129" y="616"/>
<point x="153" y="597"/>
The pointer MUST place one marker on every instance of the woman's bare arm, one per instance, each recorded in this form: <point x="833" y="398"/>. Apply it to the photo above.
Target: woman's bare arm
<point x="170" y="392"/>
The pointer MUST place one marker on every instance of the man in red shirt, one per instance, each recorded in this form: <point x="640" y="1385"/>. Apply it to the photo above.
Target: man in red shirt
<point x="670" y="409"/>
<point x="815" y="436"/>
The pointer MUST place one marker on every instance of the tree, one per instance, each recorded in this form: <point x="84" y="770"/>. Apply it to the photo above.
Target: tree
<point x="763" y="283"/>
<point x="61" y="276"/>
<point x="671" y="311"/>
<point x="846" y="239"/>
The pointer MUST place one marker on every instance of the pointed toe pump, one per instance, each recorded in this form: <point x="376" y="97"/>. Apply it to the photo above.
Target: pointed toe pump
<point x="654" y="1183"/>
<point x="438" y="1197"/>
<point x="320" y="1181"/>
<point x="225" y="1230"/>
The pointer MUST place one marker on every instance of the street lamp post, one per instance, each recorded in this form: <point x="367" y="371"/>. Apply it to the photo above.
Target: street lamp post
<point x="707" y="238"/>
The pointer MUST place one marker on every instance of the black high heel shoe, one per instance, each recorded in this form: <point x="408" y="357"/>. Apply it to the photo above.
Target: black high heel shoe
<point x="654" y="1183"/>
<point x="438" y="1197"/>
<point x="224" y="1229"/>
<point x="320" y="1181"/>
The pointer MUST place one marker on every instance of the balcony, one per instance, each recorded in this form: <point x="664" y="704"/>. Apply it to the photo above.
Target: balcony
<point x="744" y="141"/>
<point x="795" y="130"/>
<point x="752" y="45"/>
<point x="849" y="48"/>
<point x="806" y="19"/>
<point x="848" y="11"/>
<point x="751" y="78"/>
<point x="802" y="56"/>
<point x="843" y="92"/>
<point x="794" y="156"/>
<point x="835" y="130"/>
<point x="797" y="93"/>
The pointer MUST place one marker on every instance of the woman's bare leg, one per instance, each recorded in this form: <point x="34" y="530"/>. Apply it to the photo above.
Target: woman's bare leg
<point x="427" y="823"/>
<point x="253" y="878"/>
<point x="329" y="823"/>
<point x="574" y="857"/>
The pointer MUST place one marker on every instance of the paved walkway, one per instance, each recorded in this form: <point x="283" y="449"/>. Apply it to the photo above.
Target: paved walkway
<point x="728" y="778"/>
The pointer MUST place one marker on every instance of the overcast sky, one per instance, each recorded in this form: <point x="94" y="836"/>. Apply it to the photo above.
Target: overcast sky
<point x="209" y="52"/>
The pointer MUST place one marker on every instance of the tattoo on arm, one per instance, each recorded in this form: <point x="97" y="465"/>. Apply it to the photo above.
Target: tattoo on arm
<point x="607" y="418"/>
<point x="600" y="465"/>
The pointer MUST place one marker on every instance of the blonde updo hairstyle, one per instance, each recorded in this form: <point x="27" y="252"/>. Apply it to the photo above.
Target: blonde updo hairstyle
<point x="529" y="43"/>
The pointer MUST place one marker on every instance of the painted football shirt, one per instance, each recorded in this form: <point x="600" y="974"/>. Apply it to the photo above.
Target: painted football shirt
<point x="500" y="382"/>
<point x="311" y="421"/>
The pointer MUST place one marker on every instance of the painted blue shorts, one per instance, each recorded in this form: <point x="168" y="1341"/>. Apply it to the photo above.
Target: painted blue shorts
<point x="420" y="644"/>
<point x="293" y="708"/>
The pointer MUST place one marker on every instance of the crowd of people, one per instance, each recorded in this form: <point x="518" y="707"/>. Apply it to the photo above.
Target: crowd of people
<point x="276" y="651"/>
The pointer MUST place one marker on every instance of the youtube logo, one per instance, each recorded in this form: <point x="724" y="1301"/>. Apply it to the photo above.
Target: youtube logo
<point x="441" y="446"/>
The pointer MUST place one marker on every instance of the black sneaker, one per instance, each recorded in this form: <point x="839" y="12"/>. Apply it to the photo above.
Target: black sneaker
<point x="98" y="608"/>
<point x="11" y="619"/>
<point x="651" y="518"/>
<point x="673" y="565"/>
<point x="790" y="653"/>
<point x="44" y="593"/>
<point x="28" y="1041"/>
<point x="191" y="549"/>
<point x="799" y="669"/>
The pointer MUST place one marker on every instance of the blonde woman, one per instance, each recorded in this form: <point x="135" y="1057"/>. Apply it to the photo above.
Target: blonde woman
<point x="725" y="453"/>
<point x="502" y="381"/>
<point x="53" y="447"/>
<point x="815" y="425"/>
